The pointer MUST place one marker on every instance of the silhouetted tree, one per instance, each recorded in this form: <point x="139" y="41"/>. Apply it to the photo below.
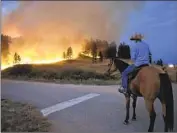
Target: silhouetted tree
<point x="94" y="51"/>
<point x="101" y="56"/>
<point x="124" y="51"/>
<point x="64" y="55"/>
<point x="159" y="62"/>
<point x="111" y="51"/>
<point x="5" y="41"/>
<point x="69" y="53"/>
<point x="87" y="47"/>
<point x="17" y="58"/>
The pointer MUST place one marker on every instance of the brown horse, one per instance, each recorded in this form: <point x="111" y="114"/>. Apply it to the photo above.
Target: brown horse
<point x="150" y="83"/>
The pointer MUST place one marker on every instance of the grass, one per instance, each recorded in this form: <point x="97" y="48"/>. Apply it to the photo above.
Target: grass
<point x="20" y="117"/>
<point x="172" y="73"/>
<point x="71" y="71"/>
<point x="79" y="71"/>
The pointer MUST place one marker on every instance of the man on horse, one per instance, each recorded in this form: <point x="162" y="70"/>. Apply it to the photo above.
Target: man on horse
<point x="139" y="55"/>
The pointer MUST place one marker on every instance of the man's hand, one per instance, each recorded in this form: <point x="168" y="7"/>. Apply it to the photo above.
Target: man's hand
<point x="130" y="62"/>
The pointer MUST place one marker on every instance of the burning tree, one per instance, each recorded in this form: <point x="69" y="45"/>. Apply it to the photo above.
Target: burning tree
<point x="87" y="47"/>
<point x="100" y="44"/>
<point x="17" y="58"/>
<point x="5" y="41"/>
<point x="69" y="53"/>
<point x="101" y="56"/>
<point x="94" y="52"/>
<point x="64" y="55"/>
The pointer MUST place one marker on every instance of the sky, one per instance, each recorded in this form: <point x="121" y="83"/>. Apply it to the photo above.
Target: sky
<point x="156" y="20"/>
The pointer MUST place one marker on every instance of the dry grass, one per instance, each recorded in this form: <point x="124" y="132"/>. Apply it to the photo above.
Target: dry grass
<point x="172" y="73"/>
<point x="81" y="64"/>
<point x="80" y="71"/>
<point x="18" y="117"/>
<point x="68" y="68"/>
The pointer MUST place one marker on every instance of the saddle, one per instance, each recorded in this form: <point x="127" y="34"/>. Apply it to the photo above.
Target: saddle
<point x="133" y="74"/>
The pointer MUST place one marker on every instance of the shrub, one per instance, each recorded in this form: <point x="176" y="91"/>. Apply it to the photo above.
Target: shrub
<point x="19" y="70"/>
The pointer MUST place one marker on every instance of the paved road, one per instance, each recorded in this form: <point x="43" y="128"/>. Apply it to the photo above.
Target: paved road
<point x="101" y="114"/>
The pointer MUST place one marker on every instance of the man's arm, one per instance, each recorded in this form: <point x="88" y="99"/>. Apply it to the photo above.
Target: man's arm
<point x="133" y="53"/>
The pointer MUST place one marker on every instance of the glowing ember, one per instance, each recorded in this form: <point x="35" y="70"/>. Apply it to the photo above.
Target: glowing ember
<point x="89" y="55"/>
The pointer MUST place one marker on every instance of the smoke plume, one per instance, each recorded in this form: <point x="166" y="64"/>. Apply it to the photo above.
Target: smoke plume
<point x="50" y="27"/>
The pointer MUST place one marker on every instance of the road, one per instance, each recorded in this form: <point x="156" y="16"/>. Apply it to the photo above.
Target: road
<point x="81" y="108"/>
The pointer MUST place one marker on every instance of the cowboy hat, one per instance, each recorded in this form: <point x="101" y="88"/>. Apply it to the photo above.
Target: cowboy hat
<point x="136" y="37"/>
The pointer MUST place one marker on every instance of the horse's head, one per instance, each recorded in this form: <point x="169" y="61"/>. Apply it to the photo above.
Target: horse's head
<point x="120" y="64"/>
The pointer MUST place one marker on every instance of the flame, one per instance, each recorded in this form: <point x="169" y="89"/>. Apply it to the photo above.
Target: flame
<point x="40" y="53"/>
<point x="89" y="55"/>
<point x="29" y="61"/>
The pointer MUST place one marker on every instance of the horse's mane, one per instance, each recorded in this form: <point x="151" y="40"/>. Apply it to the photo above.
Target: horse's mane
<point x="120" y="64"/>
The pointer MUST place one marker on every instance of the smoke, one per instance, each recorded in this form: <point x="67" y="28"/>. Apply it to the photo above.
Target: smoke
<point x="49" y="27"/>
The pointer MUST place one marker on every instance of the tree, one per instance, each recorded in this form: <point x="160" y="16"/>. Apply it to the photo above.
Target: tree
<point x="111" y="51"/>
<point x="101" y="45"/>
<point x="124" y="51"/>
<point x="94" y="51"/>
<point x="159" y="62"/>
<point x="101" y="56"/>
<point x="5" y="42"/>
<point x="17" y="58"/>
<point x="88" y="46"/>
<point x="69" y="53"/>
<point x="64" y="55"/>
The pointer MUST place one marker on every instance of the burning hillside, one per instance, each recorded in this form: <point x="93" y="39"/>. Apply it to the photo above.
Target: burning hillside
<point x="39" y="52"/>
<point x="43" y="30"/>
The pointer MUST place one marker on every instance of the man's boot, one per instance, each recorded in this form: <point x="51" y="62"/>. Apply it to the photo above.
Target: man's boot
<point x="122" y="90"/>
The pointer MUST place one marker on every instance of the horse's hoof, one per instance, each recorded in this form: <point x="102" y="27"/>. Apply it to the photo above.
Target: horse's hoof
<point x="150" y="130"/>
<point x="133" y="119"/>
<point x="126" y="122"/>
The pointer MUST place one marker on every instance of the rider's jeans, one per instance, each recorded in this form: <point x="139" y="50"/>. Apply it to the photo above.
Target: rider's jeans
<point x="125" y="76"/>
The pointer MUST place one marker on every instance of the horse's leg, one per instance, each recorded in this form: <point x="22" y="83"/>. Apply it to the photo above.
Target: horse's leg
<point x="134" y="106"/>
<point x="127" y="109"/>
<point x="164" y="114"/>
<point x="152" y="114"/>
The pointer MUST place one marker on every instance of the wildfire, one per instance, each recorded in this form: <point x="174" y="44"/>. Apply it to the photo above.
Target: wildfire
<point x="28" y="61"/>
<point x="47" y="51"/>
<point x="50" y="61"/>
<point x="89" y="55"/>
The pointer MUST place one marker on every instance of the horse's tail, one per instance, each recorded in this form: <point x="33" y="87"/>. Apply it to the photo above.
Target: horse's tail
<point x="167" y="98"/>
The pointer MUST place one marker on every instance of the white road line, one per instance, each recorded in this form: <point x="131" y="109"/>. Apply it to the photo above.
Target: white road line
<point x="66" y="104"/>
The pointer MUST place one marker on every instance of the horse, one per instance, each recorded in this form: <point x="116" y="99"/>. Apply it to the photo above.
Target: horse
<point x="149" y="82"/>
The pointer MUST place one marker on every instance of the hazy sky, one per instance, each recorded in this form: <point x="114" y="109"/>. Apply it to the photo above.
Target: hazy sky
<point x="156" y="20"/>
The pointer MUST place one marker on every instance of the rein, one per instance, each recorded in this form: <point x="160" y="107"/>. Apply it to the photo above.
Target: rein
<point x="110" y="65"/>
